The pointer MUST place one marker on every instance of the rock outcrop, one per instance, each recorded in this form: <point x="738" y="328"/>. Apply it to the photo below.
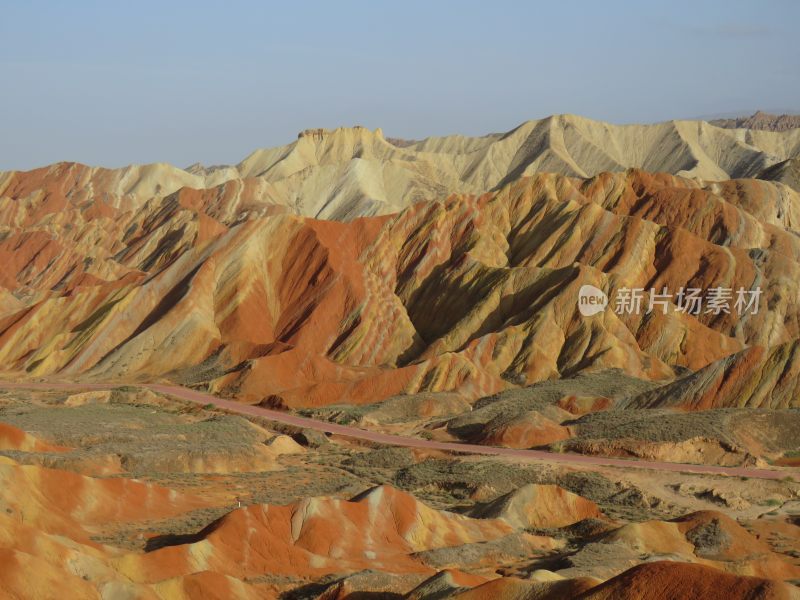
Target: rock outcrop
<point x="539" y="507"/>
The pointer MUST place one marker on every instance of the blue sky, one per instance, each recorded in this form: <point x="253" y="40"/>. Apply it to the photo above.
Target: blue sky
<point x="111" y="83"/>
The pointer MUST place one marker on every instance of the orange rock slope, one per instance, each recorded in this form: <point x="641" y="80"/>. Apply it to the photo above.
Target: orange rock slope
<point x="380" y="530"/>
<point x="65" y="503"/>
<point x="472" y="294"/>
<point x="13" y="438"/>
<point x="540" y="506"/>
<point x="48" y="517"/>
<point x="666" y="580"/>
<point x="379" y="540"/>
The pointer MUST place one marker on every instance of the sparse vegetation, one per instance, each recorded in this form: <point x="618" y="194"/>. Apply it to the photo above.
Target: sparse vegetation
<point x="155" y="436"/>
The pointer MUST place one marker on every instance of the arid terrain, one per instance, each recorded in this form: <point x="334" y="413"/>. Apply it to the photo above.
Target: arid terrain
<point x="358" y="367"/>
<point x="136" y="494"/>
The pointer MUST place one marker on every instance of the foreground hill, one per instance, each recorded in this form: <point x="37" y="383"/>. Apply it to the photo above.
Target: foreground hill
<point x="128" y="493"/>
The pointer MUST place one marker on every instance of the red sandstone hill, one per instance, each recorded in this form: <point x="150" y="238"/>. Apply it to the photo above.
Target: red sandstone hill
<point x="674" y="581"/>
<point x="382" y="540"/>
<point x="222" y="288"/>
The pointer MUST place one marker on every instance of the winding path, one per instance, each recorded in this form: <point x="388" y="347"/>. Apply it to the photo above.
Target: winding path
<point x="286" y="418"/>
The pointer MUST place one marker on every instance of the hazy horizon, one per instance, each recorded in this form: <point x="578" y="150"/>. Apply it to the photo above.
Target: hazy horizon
<point x="207" y="82"/>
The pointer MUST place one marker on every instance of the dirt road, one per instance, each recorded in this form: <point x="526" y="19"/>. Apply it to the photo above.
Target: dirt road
<point x="233" y="406"/>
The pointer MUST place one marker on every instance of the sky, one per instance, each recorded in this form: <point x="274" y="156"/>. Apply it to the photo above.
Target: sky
<point x="112" y="83"/>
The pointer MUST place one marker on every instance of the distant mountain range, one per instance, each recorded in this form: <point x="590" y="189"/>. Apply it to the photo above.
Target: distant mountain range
<point x="760" y="120"/>
<point x="350" y="172"/>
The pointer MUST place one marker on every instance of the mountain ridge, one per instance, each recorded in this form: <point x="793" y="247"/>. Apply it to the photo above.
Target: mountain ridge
<point x="760" y="120"/>
<point x="349" y="172"/>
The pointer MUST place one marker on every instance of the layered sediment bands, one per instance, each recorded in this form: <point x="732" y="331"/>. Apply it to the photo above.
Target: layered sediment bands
<point x="756" y="377"/>
<point x="380" y="529"/>
<point x="681" y="580"/>
<point x="64" y="503"/>
<point x="383" y="540"/>
<point x="468" y="293"/>
<point x="13" y="438"/>
<point x="539" y="506"/>
<point x="786" y="172"/>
